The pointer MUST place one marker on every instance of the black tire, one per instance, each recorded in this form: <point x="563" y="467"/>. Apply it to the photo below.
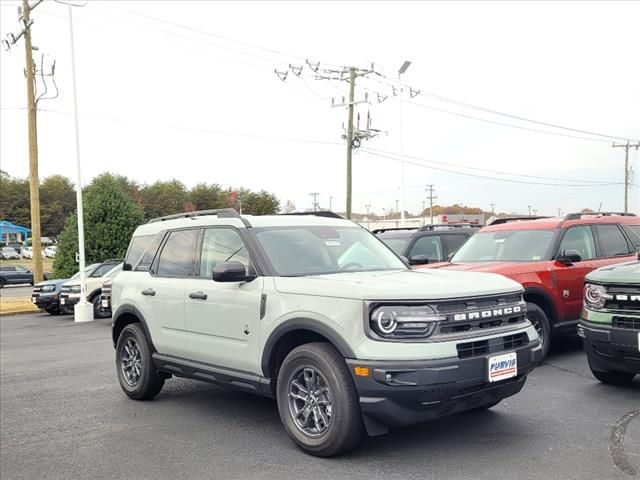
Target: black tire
<point x="97" y="309"/>
<point x="612" y="377"/>
<point x="3" y="282"/>
<point x="148" y="382"/>
<point x="541" y="323"/>
<point x="53" y="311"/>
<point x="344" y="428"/>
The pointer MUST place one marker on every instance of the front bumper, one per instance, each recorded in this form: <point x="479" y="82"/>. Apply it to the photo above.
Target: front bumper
<point x="423" y="390"/>
<point x="609" y="348"/>
<point x="67" y="301"/>
<point x="45" y="300"/>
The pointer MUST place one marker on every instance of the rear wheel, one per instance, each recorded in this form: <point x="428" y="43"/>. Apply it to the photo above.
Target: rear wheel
<point x="317" y="400"/>
<point x="612" y="377"/>
<point x="97" y="309"/>
<point x="540" y="322"/>
<point x="137" y="376"/>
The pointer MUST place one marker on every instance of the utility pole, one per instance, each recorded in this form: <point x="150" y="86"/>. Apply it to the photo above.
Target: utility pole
<point x="352" y="88"/>
<point x="431" y="198"/>
<point x="34" y="183"/>
<point x="627" y="170"/>
<point x="397" y="213"/>
<point x="559" y="212"/>
<point x="529" y="207"/>
<point x="315" y="200"/>
<point x="493" y="209"/>
<point x="368" y="206"/>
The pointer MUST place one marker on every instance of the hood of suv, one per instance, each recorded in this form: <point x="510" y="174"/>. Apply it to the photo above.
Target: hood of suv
<point x="398" y="285"/>
<point x="620" y="273"/>
<point x="503" y="268"/>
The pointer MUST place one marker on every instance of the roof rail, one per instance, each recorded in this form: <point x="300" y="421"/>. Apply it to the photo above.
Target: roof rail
<point x="220" y="212"/>
<point x="578" y="215"/>
<point x="322" y="213"/>
<point x="500" y="221"/>
<point x="392" y="229"/>
<point x="443" y="226"/>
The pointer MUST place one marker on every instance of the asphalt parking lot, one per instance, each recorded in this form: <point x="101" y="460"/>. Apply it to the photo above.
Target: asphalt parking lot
<point x="63" y="415"/>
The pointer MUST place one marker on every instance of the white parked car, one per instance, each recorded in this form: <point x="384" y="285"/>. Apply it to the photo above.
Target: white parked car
<point x="27" y="252"/>
<point x="50" y="252"/>
<point x="8" y="253"/>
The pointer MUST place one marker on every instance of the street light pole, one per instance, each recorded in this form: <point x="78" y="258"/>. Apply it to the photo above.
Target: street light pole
<point x="529" y="207"/>
<point x="368" y="206"/>
<point x="402" y="70"/>
<point x="83" y="310"/>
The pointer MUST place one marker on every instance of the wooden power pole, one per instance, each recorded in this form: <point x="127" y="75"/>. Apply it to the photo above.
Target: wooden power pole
<point x="34" y="183"/>
<point x="352" y="87"/>
<point x="627" y="176"/>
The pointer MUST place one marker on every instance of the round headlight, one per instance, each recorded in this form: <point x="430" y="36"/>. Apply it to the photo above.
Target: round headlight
<point x="385" y="320"/>
<point x="595" y="296"/>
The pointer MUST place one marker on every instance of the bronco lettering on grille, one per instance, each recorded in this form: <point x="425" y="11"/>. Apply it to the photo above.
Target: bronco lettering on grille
<point x="496" y="312"/>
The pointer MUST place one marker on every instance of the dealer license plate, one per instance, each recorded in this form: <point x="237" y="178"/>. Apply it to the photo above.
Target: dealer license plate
<point x="62" y="301"/>
<point x="105" y="304"/>
<point x="34" y="299"/>
<point x="503" y="366"/>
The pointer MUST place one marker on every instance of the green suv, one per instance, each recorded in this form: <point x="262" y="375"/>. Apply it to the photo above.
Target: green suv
<point x="317" y="313"/>
<point x="610" y="322"/>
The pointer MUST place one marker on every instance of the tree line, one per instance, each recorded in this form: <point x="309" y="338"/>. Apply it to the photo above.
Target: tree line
<point x="58" y="199"/>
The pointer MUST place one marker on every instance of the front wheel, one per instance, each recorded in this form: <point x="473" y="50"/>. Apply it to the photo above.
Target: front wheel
<point x="137" y="376"/>
<point x="97" y="309"/>
<point x="317" y="400"/>
<point x="540" y="322"/>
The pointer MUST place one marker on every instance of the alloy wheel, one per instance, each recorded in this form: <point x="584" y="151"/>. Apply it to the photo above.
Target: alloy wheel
<point x="131" y="362"/>
<point x="310" y="402"/>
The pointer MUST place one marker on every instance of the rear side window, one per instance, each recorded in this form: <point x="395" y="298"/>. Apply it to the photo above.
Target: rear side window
<point x="635" y="229"/>
<point x="612" y="241"/>
<point x="176" y="258"/>
<point x="7" y="269"/>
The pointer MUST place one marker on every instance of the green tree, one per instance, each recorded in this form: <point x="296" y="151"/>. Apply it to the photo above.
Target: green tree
<point x="259" y="203"/>
<point x="164" y="198"/>
<point x="110" y="217"/>
<point x="14" y="200"/>
<point x="207" y="196"/>
<point x="57" y="202"/>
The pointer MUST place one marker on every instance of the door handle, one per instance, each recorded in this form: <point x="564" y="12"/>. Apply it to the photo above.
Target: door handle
<point x="198" y="295"/>
<point x="150" y="292"/>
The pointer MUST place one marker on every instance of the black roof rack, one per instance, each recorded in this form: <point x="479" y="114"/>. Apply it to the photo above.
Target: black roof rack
<point x="220" y="212"/>
<point x="392" y="229"/>
<point x="578" y="215"/>
<point x="322" y="213"/>
<point x="500" y="221"/>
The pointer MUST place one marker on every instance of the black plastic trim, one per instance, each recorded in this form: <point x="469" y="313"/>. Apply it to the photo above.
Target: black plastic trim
<point x="549" y="300"/>
<point x="242" y="380"/>
<point x="135" y="312"/>
<point x="303" y="324"/>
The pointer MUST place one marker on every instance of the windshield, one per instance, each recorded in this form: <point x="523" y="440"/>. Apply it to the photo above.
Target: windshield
<point x="306" y="250"/>
<point x="114" y="271"/>
<point x="505" y="246"/>
<point x="102" y="269"/>
<point x="398" y="245"/>
<point x="87" y="270"/>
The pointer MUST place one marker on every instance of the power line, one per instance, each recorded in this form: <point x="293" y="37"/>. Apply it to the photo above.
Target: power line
<point x="499" y="172"/>
<point x="504" y="114"/>
<point x="425" y="165"/>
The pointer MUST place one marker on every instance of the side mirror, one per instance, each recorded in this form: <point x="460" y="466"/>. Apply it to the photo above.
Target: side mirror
<point x="127" y="267"/>
<point x="231" y="272"/>
<point x="418" y="260"/>
<point x="569" y="257"/>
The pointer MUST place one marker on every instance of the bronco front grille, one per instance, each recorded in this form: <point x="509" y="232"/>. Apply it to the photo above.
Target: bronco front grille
<point x="624" y="298"/>
<point x="493" y="345"/>
<point x="628" y="323"/>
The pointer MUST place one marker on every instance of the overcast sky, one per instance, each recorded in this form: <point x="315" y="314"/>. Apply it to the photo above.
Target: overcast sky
<point x="160" y="101"/>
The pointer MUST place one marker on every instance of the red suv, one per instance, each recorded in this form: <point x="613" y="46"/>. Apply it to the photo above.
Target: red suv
<point x="550" y="258"/>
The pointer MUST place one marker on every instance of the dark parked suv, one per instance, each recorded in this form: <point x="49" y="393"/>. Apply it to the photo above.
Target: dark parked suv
<point x="429" y="244"/>
<point x="14" y="275"/>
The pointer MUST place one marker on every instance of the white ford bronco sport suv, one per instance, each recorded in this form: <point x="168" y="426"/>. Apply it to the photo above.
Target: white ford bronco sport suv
<point x="319" y="314"/>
